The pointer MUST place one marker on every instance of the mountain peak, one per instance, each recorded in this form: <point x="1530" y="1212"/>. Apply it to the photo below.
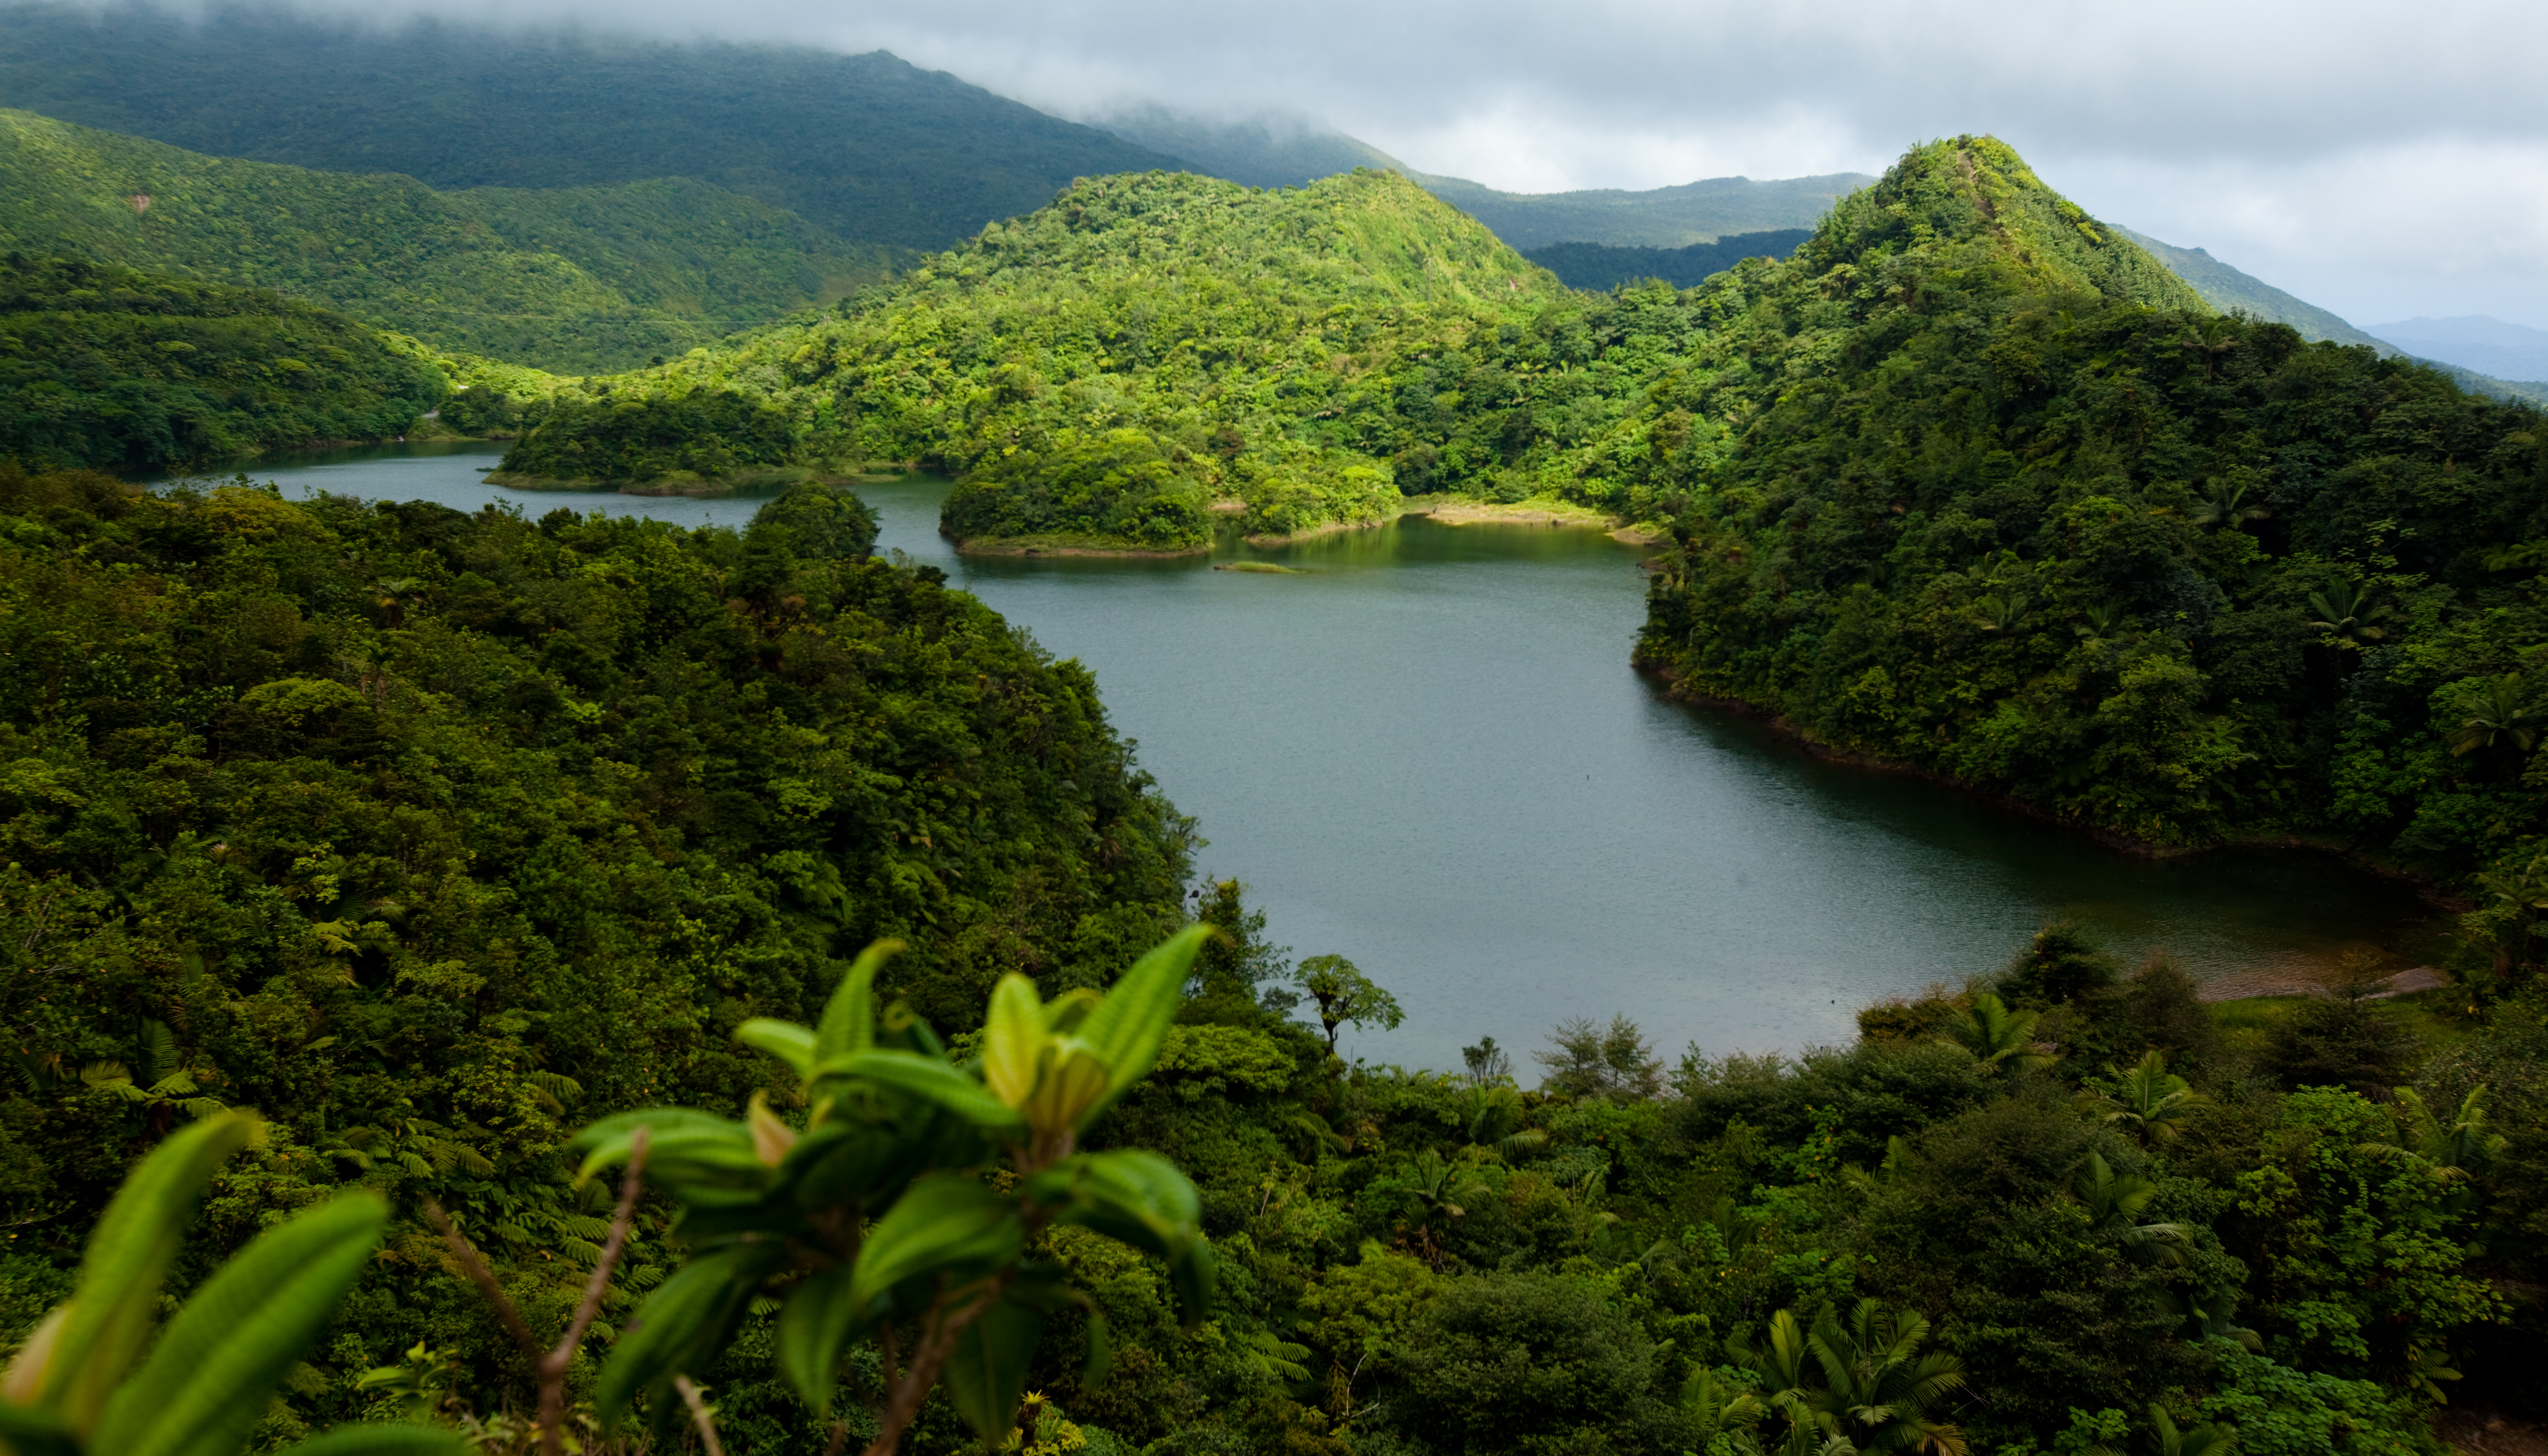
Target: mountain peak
<point x="1975" y="197"/>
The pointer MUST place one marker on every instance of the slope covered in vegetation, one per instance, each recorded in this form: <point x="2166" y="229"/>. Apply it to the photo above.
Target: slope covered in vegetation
<point x="2058" y="535"/>
<point x="1600" y="268"/>
<point x="866" y="147"/>
<point x="106" y="366"/>
<point x="583" y="280"/>
<point x="1100" y="371"/>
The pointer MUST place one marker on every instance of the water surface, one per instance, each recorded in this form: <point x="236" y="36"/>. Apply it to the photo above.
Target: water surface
<point x="1428" y="754"/>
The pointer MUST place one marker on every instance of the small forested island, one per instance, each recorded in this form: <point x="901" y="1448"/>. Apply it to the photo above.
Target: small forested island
<point x="476" y="981"/>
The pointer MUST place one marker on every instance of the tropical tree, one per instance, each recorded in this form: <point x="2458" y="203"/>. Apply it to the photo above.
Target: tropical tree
<point x="2347" y="614"/>
<point x="2498" y="716"/>
<point x="2149" y="1101"/>
<point x="2099" y="621"/>
<point x="2449" y="1152"/>
<point x="1862" y="1386"/>
<point x="1716" y="1407"/>
<point x="903" y="1211"/>
<point x="2116" y="1202"/>
<point x="1345" y="996"/>
<point x="92" y="1378"/>
<point x="1587" y="1060"/>
<point x="2226" y="503"/>
<point x="2001" y="613"/>
<point x="2200" y="1440"/>
<point x="1999" y="1037"/>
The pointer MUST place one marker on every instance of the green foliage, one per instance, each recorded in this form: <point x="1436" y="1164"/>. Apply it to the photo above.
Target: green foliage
<point x="1528" y="1362"/>
<point x="1967" y="484"/>
<point x="706" y="439"/>
<point x="1344" y="997"/>
<point x="584" y="279"/>
<point x="1104" y="369"/>
<point x="81" y="1381"/>
<point x="107" y="367"/>
<point x="418" y="829"/>
<point x="906" y="158"/>
<point x="1599" y="268"/>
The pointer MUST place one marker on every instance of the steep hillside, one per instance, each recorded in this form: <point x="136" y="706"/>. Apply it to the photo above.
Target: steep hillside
<point x="1665" y="217"/>
<point x="2226" y="288"/>
<point x="104" y="366"/>
<point x="1104" y="369"/>
<point x="867" y="148"/>
<point x="591" y="279"/>
<point x="1596" y="268"/>
<point x="1969" y="484"/>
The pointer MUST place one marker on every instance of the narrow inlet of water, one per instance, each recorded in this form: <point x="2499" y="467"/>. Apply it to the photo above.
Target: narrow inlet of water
<point x="1426" y="753"/>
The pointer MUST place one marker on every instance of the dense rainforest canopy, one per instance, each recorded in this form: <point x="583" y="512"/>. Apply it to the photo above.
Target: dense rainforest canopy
<point x="1600" y="268"/>
<point x="104" y="366"/>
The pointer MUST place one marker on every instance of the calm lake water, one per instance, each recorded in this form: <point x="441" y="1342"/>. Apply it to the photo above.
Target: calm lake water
<point x="1429" y="755"/>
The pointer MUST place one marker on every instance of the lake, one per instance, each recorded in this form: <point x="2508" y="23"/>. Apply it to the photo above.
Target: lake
<point x="1428" y="754"/>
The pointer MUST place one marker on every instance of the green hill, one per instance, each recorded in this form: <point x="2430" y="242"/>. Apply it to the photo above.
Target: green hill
<point x="1967" y="484"/>
<point x="1663" y="217"/>
<point x="1596" y="267"/>
<point x="1260" y="152"/>
<point x="104" y="366"/>
<point x="866" y="147"/>
<point x="1106" y="368"/>
<point x="583" y="280"/>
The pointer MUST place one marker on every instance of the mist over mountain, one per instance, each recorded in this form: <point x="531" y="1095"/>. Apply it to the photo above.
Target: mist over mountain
<point x="868" y="147"/>
<point x="1270" y="150"/>
<point x="1663" y="217"/>
<point x="2473" y="341"/>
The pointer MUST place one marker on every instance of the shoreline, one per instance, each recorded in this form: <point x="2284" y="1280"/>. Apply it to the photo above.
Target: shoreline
<point x="697" y="488"/>
<point x="2425" y="887"/>
<point x="1064" y="546"/>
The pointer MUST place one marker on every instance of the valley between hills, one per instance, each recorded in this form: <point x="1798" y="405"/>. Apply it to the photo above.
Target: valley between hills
<point x="483" y="979"/>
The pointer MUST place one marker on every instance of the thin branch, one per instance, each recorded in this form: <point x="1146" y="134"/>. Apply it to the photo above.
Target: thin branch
<point x="703" y="1414"/>
<point x="476" y="1268"/>
<point x="553" y="1365"/>
<point x="938" y="1341"/>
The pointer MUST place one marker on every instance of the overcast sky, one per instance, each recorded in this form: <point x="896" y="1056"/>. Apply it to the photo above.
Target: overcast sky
<point x="2381" y="160"/>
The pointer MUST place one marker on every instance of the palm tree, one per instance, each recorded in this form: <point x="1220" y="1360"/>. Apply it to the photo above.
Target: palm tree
<point x="2149" y="1101"/>
<point x="2224" y="504"/>
<point x="2001" y="613"/>
<point x="1998" y="1037"/>
<point x="163" y="1084"/>
<point x="1862" y="1386"/>
<point x="1428" y="1179"/>
<point x="2451" y="1152"/>
<point x="2100" y="621"/>
<point x="2200" y="1440"/>
<point x="2114" y="1203"/>
<point x="1715" y="1407"/>
<point x="2346" y="612"/>
<point x="2499" y="715"/>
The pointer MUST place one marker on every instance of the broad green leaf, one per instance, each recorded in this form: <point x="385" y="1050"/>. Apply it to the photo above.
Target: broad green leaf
<point x="815" y="1327"/>
<point x="1190" y="1275"/>
<point x="946" y="1221"/>
<point x="839" y="1165"/>
<point x="666" y="1327"/>
<point x="217" y="1365"/>
<point x="1101" y="1352"/>
<point x="1127" y="1027"/>
<point x="112" y="1306"/>
<point x="930" y="1080"/>
<point x="849" y="1018"/>
<point x="785" y="1039"/>
<point x="1013" y="1040"/>
<point x="1140" y="1198"/>
<point x="25" y="1432"/>
<point x="987" y="1374"/>
<point x="606" y="1143"/>
<point x="382" y="1440"/>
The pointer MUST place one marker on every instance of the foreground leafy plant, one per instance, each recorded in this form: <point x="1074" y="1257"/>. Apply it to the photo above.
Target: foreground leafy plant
<point x="81" y="1383"/>
<point x="889" y="1217"/>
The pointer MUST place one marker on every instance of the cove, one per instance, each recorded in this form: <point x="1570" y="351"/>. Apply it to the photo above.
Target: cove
<point x="1423" y="750"/>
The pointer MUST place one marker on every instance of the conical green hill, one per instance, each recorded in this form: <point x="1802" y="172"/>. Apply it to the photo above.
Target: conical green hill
<point x="1973" y="203"/>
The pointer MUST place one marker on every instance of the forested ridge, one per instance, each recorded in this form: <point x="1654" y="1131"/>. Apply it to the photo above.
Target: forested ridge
<point x="104" y="366"/>
<point x="583" y="280"/>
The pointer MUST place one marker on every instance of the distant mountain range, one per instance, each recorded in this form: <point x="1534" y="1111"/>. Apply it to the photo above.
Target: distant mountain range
<point x="1598" y="267"/>
<point x="867" y="147"/>
<point x="1287" y="152"/>
<point x="2473" y="341"/>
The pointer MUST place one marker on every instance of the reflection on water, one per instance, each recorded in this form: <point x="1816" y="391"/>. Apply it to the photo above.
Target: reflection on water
<point x="1427" y="753"/>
